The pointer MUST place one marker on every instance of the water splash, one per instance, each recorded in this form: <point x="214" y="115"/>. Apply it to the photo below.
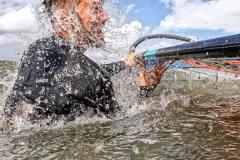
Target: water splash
<point x="176" y="88"/>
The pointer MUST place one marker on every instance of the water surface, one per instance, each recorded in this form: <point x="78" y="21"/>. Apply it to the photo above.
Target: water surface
<point x="185" y="119"/>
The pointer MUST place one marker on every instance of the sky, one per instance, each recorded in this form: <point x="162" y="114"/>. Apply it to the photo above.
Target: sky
<point x="197" y="19"/>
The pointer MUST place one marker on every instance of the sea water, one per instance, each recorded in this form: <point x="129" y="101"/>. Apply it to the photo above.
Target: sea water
<point x="195" y="118"/>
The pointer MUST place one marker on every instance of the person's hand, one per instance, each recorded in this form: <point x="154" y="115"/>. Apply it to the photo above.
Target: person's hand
<point x="154" y="76"/>
<point x="130" y="59"/>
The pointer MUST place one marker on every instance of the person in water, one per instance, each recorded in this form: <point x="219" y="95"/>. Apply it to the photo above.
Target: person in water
<point x="58" y="79"/>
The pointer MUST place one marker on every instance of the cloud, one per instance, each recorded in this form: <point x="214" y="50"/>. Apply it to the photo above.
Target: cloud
<point x="7" y="5"/>
<point x="18" y="21"/>
<point x="202" y="15"/>
<point x="130" y="8"/>
<point x="153" y="46"/>
<point x="18" y="28"/>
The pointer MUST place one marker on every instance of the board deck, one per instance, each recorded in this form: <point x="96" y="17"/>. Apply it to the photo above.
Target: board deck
<point x="223" y="47"/>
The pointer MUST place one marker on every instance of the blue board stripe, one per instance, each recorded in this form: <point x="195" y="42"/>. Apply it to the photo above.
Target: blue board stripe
<point x="151" y="54"/>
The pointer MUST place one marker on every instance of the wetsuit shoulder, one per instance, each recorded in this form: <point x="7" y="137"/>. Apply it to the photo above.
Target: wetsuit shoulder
<point x="41" y="46"/>
<point x="35" y="73"/>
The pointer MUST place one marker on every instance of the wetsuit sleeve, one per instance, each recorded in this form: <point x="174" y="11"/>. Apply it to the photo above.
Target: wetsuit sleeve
<point x="114" y="68"/>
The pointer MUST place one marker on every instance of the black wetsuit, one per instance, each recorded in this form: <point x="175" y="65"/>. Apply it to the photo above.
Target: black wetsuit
<point x="59" y="79"/>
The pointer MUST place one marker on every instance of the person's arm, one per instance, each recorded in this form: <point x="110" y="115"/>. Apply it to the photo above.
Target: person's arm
<point x="148" y="81"/>
<point x="114" y="68"/>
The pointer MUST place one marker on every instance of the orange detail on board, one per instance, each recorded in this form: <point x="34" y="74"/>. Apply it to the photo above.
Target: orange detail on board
<point x="232" y="62"/>
<point x="214" y="67"/>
